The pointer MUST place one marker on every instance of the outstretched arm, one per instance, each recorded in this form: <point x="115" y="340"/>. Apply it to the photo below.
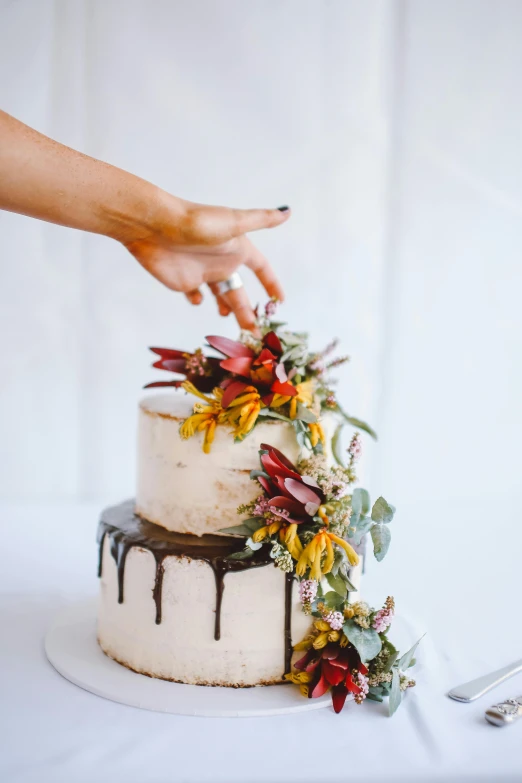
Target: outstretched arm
<point x="182" y="244"/>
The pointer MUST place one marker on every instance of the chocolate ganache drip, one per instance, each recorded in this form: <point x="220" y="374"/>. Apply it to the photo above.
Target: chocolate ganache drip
<point x="126" y="530"/>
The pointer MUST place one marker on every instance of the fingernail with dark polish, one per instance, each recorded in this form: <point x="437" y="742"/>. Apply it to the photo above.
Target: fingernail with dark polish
<point x="283" y="209"/>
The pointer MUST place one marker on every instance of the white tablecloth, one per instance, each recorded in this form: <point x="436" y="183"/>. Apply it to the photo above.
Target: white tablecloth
<point x="52" y="731"/>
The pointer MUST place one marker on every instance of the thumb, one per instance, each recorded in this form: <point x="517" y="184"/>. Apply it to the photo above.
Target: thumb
<point x="246" y="220"/>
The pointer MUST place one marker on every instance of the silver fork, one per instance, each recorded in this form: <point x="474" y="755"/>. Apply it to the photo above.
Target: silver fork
<point x="472" y="690"/>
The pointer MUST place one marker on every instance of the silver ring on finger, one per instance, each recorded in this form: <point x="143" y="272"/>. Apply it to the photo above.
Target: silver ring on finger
<point x="232" y="283"/>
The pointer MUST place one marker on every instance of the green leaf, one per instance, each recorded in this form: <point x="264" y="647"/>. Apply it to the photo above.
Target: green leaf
<point x="350" y="587"/>
<point x="375" y="693"/>
<point x="256" y="473"/>
<point x="337" y="583"/>
<point x="365" y="640"/>
<point x="382" y="511"/>
<point x="393" y="654"/>
<point x="339" y="559"/>
<point x="336" y="445"/>
<point x="268" y="413"/>
<point x="357" y="423"/>
<point x="246" y="528"/>
<point x="407" y="659"/>
<point x="381" y="538"/>
<point x="334" y="600"/>
<point x="360" y="503"/>
<point x="305" y="414"/>
<point x="361" y="528"/>
<point x="244" y="554"/>
<point x="395" y="692"/>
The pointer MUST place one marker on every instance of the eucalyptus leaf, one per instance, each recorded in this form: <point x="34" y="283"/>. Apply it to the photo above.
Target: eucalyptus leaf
<point x="244" y="554"/>
<point x="246" y="528"/>
<point x="363" y="526"/>
<point x="357" y="423"/>
<point x="381" y="538"/>
<point x="305" y="414"/>
<point x="268" y="413"/>
<point x="365" y="640"/>
<point x="406" y="660"/>
<point x="256" y="473"/>
<point x="337" y="583"/>
<point x="395" y="692"/>
<point x="339" y="559"/>
<point x="334" y="600"/>
<point x="336" y="445"/>
<point x="350" y="587"/>
<point x="360" y="502"/>
<point x="392" y="652"/>
<point x="382" y="511"/>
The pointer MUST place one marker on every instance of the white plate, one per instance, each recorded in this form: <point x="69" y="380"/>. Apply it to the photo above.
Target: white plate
<point x="71" y="647"/>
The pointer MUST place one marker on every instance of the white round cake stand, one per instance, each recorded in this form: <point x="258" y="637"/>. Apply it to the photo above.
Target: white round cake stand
<point x="71" y="647"/>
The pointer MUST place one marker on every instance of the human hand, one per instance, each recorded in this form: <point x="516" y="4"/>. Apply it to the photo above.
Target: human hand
<point x="187" y="245"/>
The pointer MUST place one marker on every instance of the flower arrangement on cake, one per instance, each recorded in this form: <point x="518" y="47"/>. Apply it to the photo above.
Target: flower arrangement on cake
<point x="315" y="523"/>
<point x="314" y="520"/>
<point x="275" y="376"/>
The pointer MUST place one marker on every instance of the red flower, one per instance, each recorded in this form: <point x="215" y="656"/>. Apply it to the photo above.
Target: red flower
<point x="265" y="370"/>
<point x="333" y="667"/>
<point x="294" y="497"/>
<point x="203" y="371"/>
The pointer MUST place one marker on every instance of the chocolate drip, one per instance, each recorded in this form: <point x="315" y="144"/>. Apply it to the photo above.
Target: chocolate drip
<point x="125" y="530"/>
<point x="101" y="539"/>
<point x="219" y="575"/>
<point x="157" y="591"/>
<point x="289" y="581"/>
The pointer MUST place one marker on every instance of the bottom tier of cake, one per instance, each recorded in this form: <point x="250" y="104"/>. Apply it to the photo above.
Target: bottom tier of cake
<point x="174" y="606"/>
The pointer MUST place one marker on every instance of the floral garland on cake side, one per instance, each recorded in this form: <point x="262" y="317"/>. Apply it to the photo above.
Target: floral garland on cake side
<point x="275" y="376"/>
<point x="314" y="523"/>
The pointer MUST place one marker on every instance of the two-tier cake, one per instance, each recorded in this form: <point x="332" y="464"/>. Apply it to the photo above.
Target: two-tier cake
<point x="246" y="538"/>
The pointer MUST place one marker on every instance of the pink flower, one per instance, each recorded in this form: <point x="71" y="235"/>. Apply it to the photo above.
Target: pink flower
<point x="384" y="616"/>
<point x="261" y="506"/>
<point x="355" y="447"/>
<point x="307" y="590"/>
<point x="270" y="308"/>
<point x="334" y="619"/>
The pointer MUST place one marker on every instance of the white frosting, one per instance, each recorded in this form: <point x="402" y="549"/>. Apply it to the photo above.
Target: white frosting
<point x="182" y="647"/>
<point x="183" y="489"/>
<point x="179" y="486"/>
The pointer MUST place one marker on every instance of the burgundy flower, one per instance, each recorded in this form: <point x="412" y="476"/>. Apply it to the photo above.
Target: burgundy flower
<point x="334" y="668"/>
<point x="292" y="496"/>
<point x="203" y="371"/>
<point x="265" y="370"/>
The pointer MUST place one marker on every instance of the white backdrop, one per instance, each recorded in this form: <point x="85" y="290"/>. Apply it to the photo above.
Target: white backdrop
<point x="392" y="129"/>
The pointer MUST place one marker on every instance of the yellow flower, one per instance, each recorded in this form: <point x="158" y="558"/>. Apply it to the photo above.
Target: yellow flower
<point x="242" y="412"/>
<point x="205" y="417"/>
<point x="353" y="557"/>
<point x="305" y="644"/>
<point x="292" y="541"/>
<point x="322" y="625"/>
<point x="260" y="534"/>
<point x="344" y="641"/>
<point x="299" y="678"/>
<point x="304" y="690"/>
<point x="305" y="394"/>
<point x="312" y="555"/>
<point x="320" y="641"/>
<point x="317" y="434"/>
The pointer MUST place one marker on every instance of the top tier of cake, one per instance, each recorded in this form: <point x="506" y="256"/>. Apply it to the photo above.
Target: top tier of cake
<point x="183" y="489"/>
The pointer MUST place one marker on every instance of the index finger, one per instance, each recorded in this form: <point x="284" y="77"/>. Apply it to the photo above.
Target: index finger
<point x="265" y="274"/>
<point x="239" y="303"/>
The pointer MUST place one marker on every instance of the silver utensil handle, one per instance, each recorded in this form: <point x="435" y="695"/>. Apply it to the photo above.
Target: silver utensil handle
<point x="472" y="690"/>
<point x="505" y="713"/>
